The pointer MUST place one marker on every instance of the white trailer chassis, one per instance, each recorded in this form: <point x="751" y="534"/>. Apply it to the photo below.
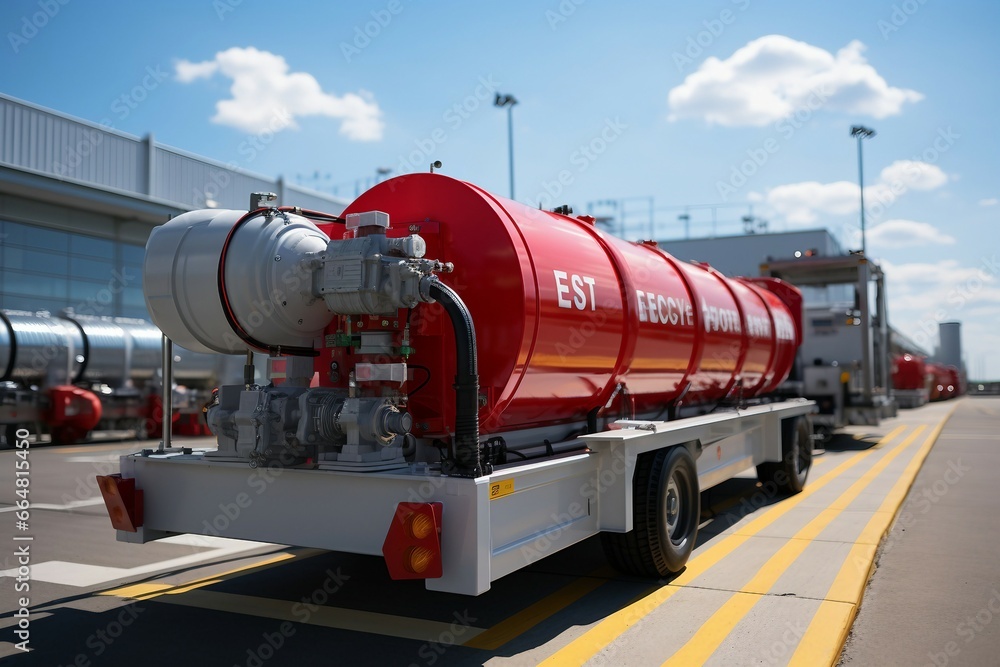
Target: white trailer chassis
<point x="491" y="526"/>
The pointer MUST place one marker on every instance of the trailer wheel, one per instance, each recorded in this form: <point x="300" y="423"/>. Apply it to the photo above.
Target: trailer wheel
<point x="789" y="475"/>
<point x="666" y="508"/>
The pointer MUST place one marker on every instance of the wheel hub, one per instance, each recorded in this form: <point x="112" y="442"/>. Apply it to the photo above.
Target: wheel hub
<point x="672" y="507"/>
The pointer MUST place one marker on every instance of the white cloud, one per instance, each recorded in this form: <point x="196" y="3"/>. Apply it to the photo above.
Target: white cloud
<point x="992" y="201"/>
<point x="921" y="294"/>
<point x="914" y="174"/>
<point x="774" y="76"/>
<point x="267" y="96"/>
<point x="941" y="290"/>
<point x="801" y="203"/>
<point x="903" y="233"/>
<point x="188" y="71"/>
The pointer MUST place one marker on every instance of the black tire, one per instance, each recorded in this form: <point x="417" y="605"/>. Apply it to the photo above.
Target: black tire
<point x="666" y="509"/>
<point x="789" y="475"/>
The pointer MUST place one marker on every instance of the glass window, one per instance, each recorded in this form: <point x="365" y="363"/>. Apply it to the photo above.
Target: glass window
<point x="86" y="291"/>
<point x="135" y="312"/>
<point x="126" y="276"/>
<point x="14" y="233"/>
<point x="33" y="303"/>
<point x="47" y="269"/>
<point x="92" y="247"/>
<point x="92" y="269"/>
<point x="36" y="237"/>
<point x="34" y="260"/>
<point x="17" y="283"/>
<point x="132" y="297"/>
<point x="132" y="254"/>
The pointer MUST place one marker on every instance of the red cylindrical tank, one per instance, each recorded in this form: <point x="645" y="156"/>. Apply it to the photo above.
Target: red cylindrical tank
<point x="955" y="381"/>
<point x="73" y="413"/>
<point x="908" y="372"/>
<point x="567" y="316"/>
<point x="943" y="384"/>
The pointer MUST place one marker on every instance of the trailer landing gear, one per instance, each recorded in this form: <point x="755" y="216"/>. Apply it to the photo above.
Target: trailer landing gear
<point x="790" y="473"/>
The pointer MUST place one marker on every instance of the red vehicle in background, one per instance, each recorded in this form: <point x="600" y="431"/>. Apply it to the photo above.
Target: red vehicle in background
<point x="909" y="380"/>
<point x="944" y="382"/>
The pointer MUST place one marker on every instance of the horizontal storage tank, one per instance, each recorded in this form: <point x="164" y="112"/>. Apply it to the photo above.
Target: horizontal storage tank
<point x="568" y="319"/>
<point x="37" y="348"/>
<point x="123" y="351"/>
<point x="46" y="350"/>
<point x="567" y="316"/>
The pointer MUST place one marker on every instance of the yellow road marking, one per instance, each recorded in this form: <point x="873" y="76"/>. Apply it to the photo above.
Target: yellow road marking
<point x="714" y="631"/>
<point x="820" y="646"/>
<point x="728" y="503"/>
<point x="147" y="591"/>
<point x="586" y="646"/>
<point x="390" y="625"/>
<point x="530" y="616"/>
<point x="138" y="590"/>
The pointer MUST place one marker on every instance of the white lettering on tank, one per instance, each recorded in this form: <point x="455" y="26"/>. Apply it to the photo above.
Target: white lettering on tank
<point x="758" y="327"/>
<point x="726" y="320"/>
<point x="583" y="298"/>
<point x="660" y="309"/>
<point x="784" y="329"/>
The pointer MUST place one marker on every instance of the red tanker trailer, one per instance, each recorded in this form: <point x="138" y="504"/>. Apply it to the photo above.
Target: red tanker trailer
<point x="944" y="381"/>
<point x="909" y="380"/>
<point x="566" y="314"/>
<point x="528" y="387"/>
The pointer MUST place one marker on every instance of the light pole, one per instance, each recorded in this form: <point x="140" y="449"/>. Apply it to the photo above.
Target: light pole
<point x="862" y="132"/>
<point x="508" y="101"/>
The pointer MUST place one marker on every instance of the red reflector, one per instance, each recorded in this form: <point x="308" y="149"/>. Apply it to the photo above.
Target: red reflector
<point x="412" y="547"/>
<point x="123" y="500"/>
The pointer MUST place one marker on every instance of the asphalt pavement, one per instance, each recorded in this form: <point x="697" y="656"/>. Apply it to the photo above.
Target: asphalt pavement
<point x="934" y="598"/>
<point x="773" y="580"/>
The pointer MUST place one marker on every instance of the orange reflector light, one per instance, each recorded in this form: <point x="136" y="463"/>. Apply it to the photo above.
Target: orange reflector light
<point x="412" y="547"/>
<point x="418" y="559"/>
<point x="419" y="525"/>
<point x="123" y="500"/>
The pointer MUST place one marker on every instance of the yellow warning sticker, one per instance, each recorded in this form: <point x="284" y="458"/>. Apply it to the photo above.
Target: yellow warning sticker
<point x="501" y="489"/>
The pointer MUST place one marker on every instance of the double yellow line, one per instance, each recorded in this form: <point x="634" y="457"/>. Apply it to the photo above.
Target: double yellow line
<point x="715" y="631"/>
<point x="827" y="632"/>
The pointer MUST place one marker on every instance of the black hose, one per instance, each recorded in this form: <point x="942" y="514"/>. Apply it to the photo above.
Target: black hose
<point x="592" y="420"/>
<point x="12" y="361"/>
<point x="464" y="456"/>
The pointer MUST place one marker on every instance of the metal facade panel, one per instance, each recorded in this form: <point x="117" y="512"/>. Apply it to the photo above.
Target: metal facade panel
<point x="743" y="255"/>
<point x="65" y="148"/>
<point x="49" y="143"/>
<point x="201" y="184"/>
<point x="305" y="199"/>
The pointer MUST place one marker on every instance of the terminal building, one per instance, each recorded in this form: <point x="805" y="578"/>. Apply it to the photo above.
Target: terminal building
<point x="742" y="255"/>
<point x="78" y="201"/>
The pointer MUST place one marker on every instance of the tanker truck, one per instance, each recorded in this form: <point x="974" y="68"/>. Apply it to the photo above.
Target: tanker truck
<point x="461" y="384"/>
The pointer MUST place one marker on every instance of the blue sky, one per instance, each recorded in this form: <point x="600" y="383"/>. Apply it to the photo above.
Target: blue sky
<point x="730" y="101"/>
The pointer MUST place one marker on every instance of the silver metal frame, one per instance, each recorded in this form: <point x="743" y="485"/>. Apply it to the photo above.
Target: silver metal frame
<point x="554" y="503"/>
